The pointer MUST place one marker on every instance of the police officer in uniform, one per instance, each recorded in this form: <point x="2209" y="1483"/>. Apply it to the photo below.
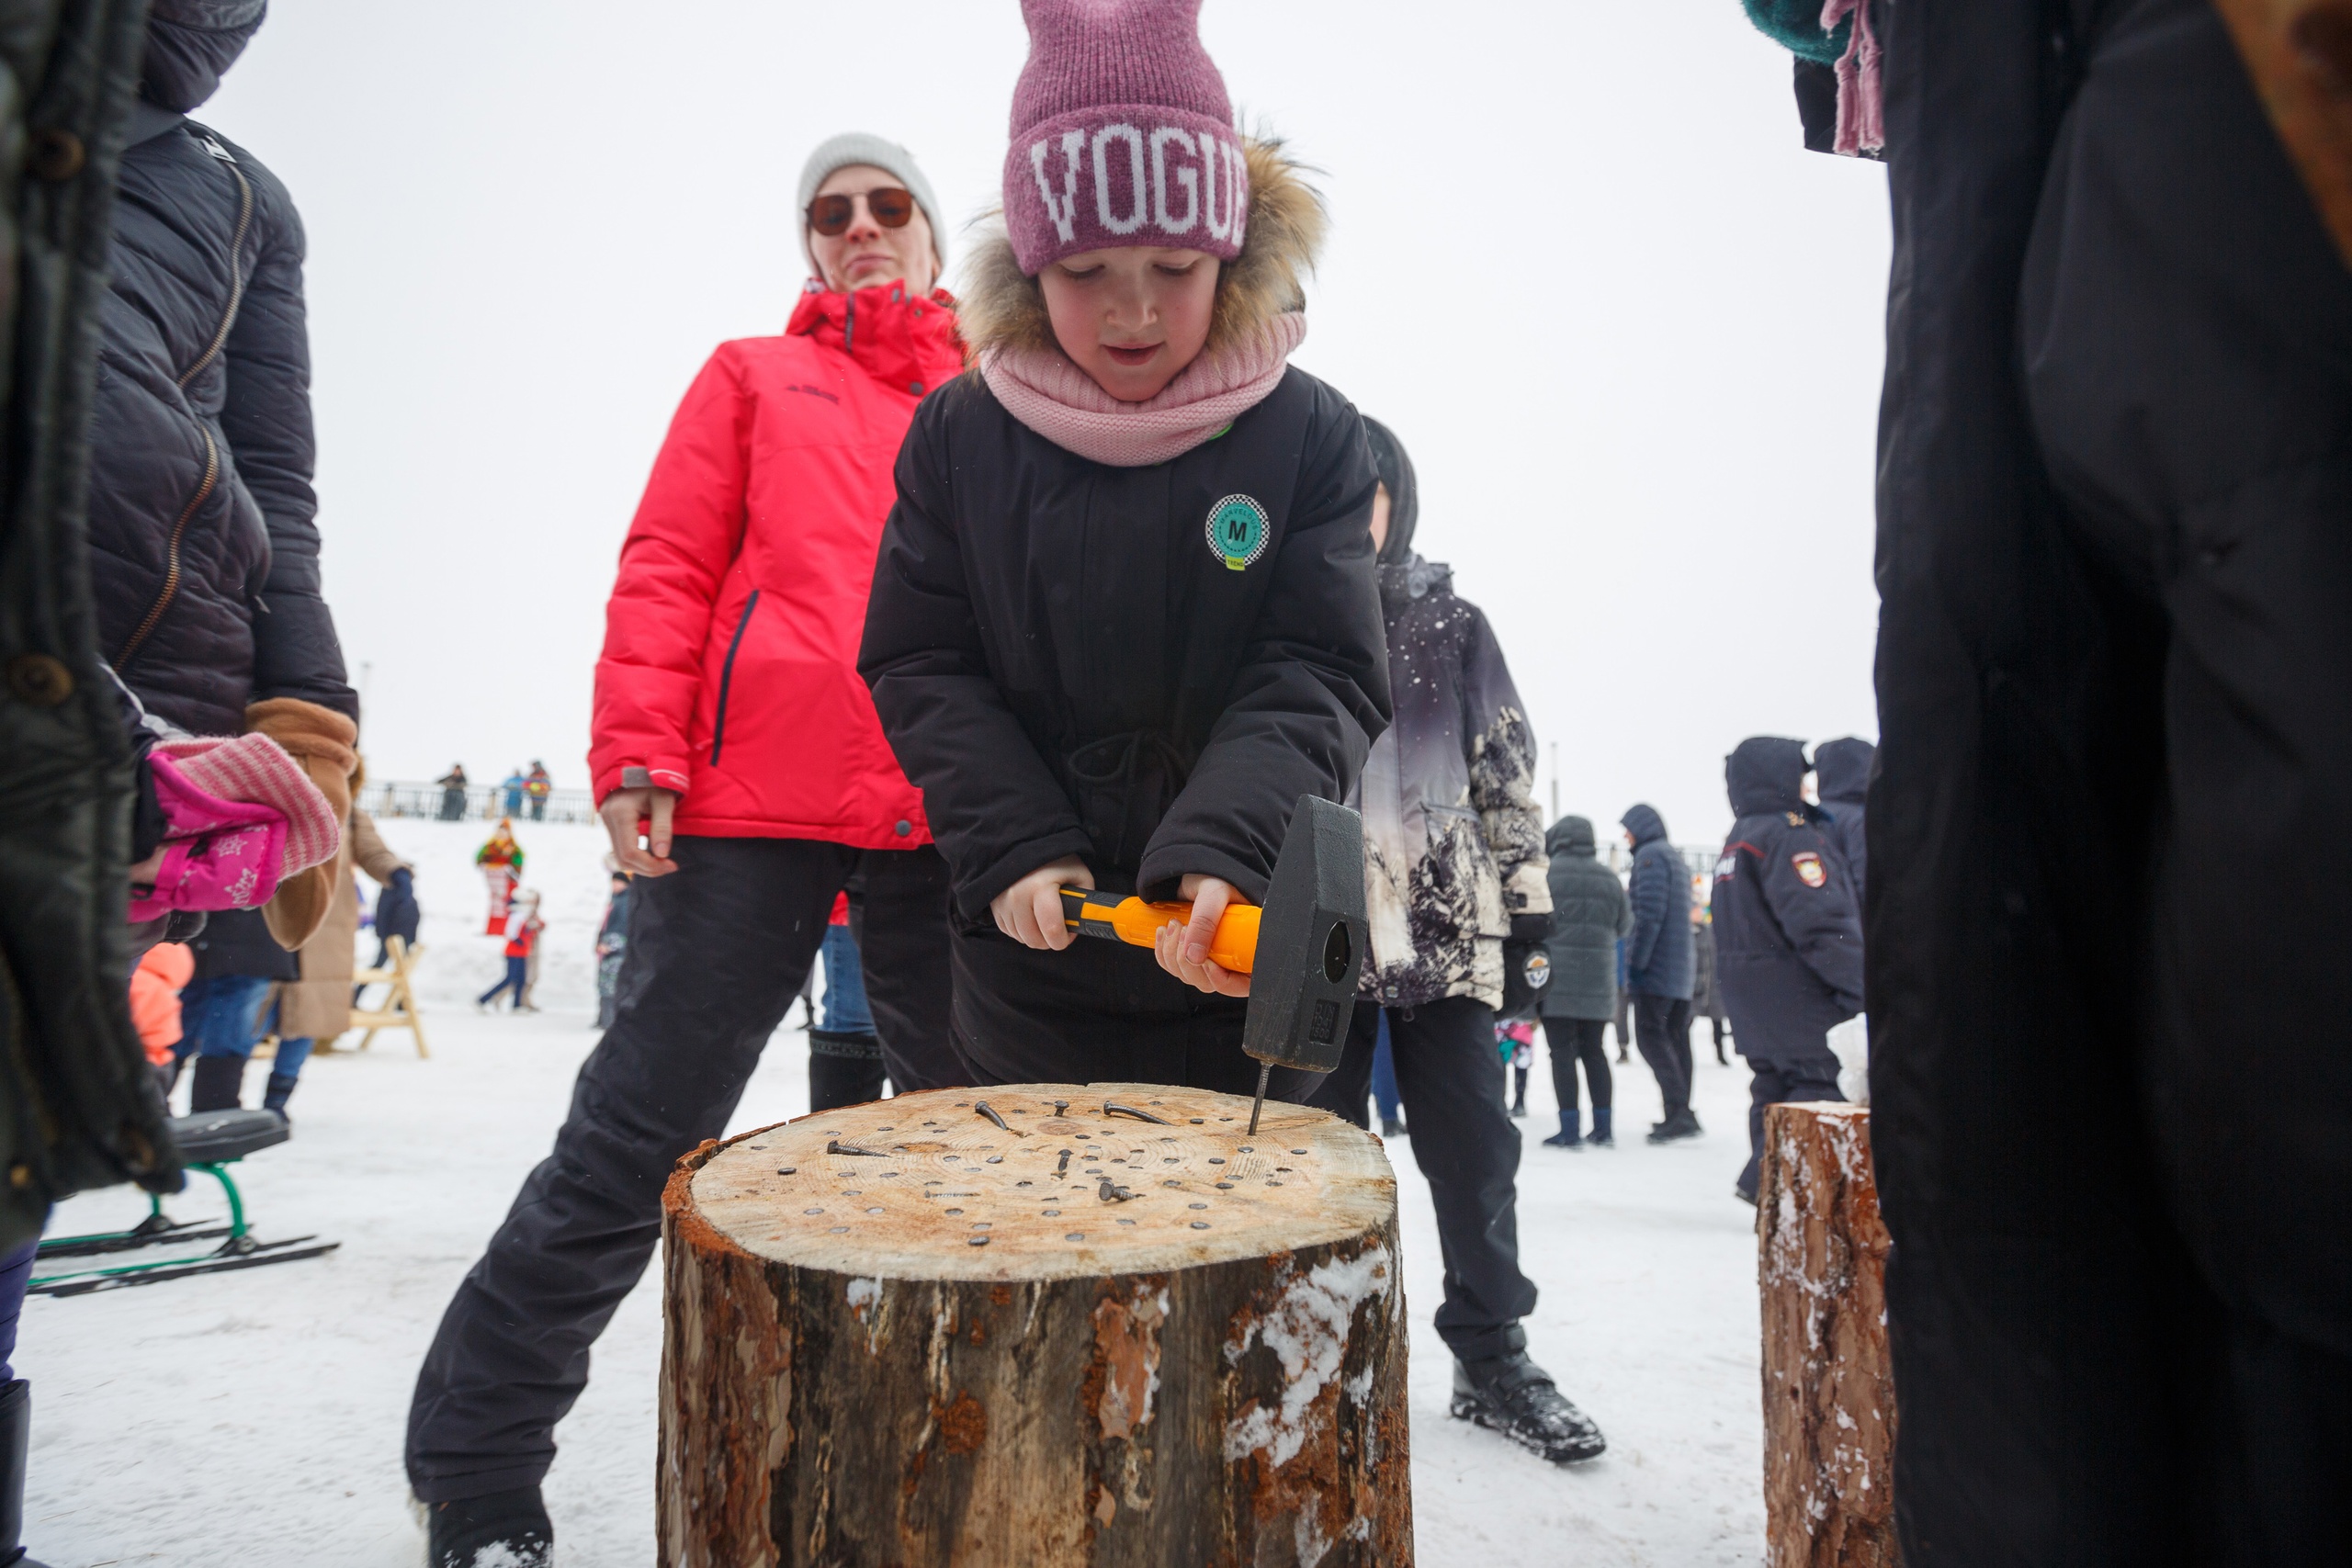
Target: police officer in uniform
<point x="1788" y="935"/>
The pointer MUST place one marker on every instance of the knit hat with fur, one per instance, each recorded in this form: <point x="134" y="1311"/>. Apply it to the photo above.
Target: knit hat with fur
<point x="1122" y="135"/>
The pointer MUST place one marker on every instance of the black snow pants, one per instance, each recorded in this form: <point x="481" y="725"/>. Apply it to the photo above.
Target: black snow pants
<point x="1574" y="1040"/>
<point x="2106" y="938"/>
<point x="1781" y="1083"/>
<point x="1450" y="1079"/>
<point x="717" y="951"/>
<point x="1662" y="1030"/>
<point x="1097" y="1012"/>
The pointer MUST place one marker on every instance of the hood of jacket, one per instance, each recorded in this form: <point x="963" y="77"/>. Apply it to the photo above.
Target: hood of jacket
<point x="1569" y="836"/>
<point x="906" y="341"/>
<point x="1396" y="466"/>
<point x="1403" y="581"/>
<point x="191" y="44"/>
<point x="1843" y="767"/>
<point x="1645" y="824"/>
<point x="1001" y="307"/>
<point x="1765" y="774"/>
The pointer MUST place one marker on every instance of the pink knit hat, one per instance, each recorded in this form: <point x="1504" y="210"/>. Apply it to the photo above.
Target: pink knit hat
<point x="1122" y="135"/>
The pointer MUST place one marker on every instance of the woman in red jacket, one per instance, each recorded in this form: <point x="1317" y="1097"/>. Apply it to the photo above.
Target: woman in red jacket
<point x="733" y="734"/>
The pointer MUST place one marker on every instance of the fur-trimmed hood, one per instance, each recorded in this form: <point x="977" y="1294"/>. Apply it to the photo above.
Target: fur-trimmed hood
<point x="1001" y="307"/>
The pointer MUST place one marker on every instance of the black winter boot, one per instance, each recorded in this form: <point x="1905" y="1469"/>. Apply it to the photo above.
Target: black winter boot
<point x="1512" y="1395"/>
<point x="279" y="1090"/>
<point x="502" y="1529"/>
<point x="16" y="1441"/>
<point x="1600" y="1137"/>
<point x="219" y="1082"/>
<point x="1683" y="1124"/>
<point x="844" y="1069"/>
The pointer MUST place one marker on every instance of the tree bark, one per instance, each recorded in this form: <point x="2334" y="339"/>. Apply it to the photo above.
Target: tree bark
<point x="897" y="1334"/>
<point x="1829" y="1387"/>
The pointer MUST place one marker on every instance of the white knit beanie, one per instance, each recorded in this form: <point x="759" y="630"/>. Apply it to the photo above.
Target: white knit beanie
<point x="862" y="147"/>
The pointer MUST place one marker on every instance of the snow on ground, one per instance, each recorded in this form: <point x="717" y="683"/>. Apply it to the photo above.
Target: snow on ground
<point x="256" y="1418"/>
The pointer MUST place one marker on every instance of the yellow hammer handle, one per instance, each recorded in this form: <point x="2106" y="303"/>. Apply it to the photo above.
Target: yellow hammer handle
<point x="1131" y="920"/>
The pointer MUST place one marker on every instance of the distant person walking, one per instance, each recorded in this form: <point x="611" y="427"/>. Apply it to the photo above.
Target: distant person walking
<point x="1789" y="942"/>
<point x="499" y="859"/>
<point x="1659" y="968"/>
<point x="537" y="786"/>
<point x="612" y="942"/>
<point x="1706" y="997"/>
<point x="1591" y="920"/>
<point x="1842" y="769"/>
<point x="523" y="929"/>
<point x="453" y="793"/>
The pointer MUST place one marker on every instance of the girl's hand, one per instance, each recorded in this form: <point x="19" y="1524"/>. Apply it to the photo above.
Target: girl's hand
<point x="1030" y="912"/>
<point x="1185" y="949"/>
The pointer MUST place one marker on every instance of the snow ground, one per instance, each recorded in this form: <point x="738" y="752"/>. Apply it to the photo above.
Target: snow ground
<point x="256" y="1418"/>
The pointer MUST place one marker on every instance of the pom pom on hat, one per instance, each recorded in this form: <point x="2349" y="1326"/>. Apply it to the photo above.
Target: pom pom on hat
<point x="1121" y="134"/>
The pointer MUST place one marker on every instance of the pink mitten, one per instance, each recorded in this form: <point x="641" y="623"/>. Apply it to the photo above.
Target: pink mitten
<point x="240" y="815"/>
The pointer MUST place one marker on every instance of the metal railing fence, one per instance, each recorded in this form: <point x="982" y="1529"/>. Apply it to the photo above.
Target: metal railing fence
<point x="476" y="802"/>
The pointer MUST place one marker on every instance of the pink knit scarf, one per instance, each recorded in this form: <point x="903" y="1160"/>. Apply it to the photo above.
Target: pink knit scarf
<point x="1045" y="390"/>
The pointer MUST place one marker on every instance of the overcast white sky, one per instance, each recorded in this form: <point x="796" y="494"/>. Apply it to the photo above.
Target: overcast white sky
<point x="1630" y="330"/>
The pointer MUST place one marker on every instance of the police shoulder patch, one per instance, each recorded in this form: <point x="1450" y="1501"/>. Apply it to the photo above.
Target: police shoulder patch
<point x="1810" y="871"/>
<point x="1238" y="528"/>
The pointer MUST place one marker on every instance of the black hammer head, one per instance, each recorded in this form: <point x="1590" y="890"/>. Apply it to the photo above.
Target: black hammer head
<point x="1311" y="941"/>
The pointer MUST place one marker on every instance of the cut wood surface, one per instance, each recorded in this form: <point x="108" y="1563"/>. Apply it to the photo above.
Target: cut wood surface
<point x="1828" y="1388"/>
<point x="900" y="1333"/>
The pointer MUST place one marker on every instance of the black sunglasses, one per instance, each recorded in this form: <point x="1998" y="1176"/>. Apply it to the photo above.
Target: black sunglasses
<point x="891" y="207"/>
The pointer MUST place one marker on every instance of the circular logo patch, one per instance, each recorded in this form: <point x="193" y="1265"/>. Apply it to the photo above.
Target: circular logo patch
<point x="1238" y="531"/>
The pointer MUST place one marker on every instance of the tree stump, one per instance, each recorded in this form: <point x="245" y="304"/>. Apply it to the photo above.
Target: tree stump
<point x="900" y="1333"/>
<point x="1829" y="1387"/>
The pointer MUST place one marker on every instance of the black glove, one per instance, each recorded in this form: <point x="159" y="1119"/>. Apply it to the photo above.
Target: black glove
<point x="1527" y="966"/>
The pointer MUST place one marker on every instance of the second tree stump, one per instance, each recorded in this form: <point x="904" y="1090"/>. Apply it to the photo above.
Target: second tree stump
<point x="900" y="1334"/>
<point x="1829" y="1386"/>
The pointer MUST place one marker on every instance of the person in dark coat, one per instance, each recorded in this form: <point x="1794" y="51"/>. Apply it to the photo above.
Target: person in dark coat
<point x="1455" y="882"/>
<point x="1114" y="647"/>
<point x="204" y="548"/>
<point x="2110" y="1087"/>
<point x="1706" y="997"/>
<point x="1659" y="968"/>
<point x="1591" y="920"/>
<point x="1788" y="935"/>
<point x="224" y="1007"/>
<point x="1842" y="769"/>
<point x="453" y="793"/>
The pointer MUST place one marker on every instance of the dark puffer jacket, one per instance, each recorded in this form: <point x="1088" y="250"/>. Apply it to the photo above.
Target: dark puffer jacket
<point x="1788" y="941"/>
<point x="1065" y="666"/>
<point x="1658" y="960"/>
<point x="204" y="555"/>
<point x="1843" y="770"/>
<point x="1590" y="915"/>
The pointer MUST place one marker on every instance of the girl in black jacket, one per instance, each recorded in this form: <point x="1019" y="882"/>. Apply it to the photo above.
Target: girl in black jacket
<point x="1125" y="613"/>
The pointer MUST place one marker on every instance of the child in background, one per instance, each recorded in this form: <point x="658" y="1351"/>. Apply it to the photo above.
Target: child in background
<point x="1515" y="1041"/>
<point x="523" y="927"/>
<point x="612" y="942"/>
<point x="156" y="1004"/>
<point x="1125" y="613"/>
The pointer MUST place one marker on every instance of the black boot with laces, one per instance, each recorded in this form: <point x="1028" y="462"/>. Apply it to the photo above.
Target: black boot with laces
<point x="1512" y="1395"/>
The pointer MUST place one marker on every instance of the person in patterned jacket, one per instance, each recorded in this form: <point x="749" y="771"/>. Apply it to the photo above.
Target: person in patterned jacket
<point x="1456" y="883"/>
